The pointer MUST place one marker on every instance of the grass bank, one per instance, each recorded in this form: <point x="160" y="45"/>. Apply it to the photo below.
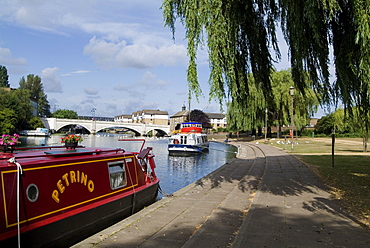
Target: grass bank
<point x="348" y="179"/>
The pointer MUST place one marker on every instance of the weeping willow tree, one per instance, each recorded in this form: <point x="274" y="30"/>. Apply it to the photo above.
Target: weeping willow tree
<point x="351" y="43"/>
<point x="279" y="111"/>
<point x="241" y="37"/>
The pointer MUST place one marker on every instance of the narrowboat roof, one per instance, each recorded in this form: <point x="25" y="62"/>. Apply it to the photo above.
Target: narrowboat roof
<point x="57" y="153"/>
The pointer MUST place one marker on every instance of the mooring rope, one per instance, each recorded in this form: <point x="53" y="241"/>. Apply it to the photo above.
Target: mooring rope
<point x="19" y="172"/>
<point x="133" y="189"/>
<point x="162" y="192"/>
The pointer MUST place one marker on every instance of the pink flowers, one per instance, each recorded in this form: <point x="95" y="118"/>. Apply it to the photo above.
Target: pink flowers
<point x="9" y="140"/>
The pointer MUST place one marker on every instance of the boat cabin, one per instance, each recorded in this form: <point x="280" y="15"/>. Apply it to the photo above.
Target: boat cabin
<point x="50" y="196"/>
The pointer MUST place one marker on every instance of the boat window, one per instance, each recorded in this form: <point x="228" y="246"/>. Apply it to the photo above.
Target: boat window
<point x="117" y="174"/>
<point x="32" y="193"/>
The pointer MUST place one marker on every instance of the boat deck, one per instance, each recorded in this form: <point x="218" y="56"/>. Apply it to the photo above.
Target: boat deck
<point x="41" y="153"/>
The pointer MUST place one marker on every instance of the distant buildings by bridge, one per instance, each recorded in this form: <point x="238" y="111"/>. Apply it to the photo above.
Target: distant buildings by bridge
<point x="146" y="116"/>
<point x="159" y="117"/>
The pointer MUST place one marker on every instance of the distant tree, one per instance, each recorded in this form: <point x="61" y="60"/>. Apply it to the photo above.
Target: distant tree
<point x="65" y="114"/>
<point x="8" y="121"/>
<point x="4" y="77"/>
<point x="199" y="116"/>
<point x="44" y="106"/>
<point x="36" y="122"/>
<point x="335" y="121"/>
<point x="17" y="101"/>
<point x="34" y="86"/>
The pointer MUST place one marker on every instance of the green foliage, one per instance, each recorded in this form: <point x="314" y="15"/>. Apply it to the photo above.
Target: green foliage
<point x="221" y="129"/>
<point x="65" y="114"/>
<point x="35" y="88"/>
<point x="247" y="117"/>
<point x="17" y="101"/>
<point x="8" y="121"/>
<point x="241" y="39"/>
<point x="326" y="124"/>
<point x="238" y="43"/>
<point x="307" y="133"/>
<point x="4" y="77"/>
<point x="35" y="122"/>
<point x="343" y="125"/>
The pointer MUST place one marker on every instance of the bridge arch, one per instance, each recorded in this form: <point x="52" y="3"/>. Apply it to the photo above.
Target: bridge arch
<point x="137" y="132"/>
<point x="72" y="124"/>
<point x="94" y="126"/>
<point x="156" y="131"/>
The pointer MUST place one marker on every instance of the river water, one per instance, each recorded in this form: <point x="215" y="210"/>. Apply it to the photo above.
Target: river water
<point x="175" y="172"/>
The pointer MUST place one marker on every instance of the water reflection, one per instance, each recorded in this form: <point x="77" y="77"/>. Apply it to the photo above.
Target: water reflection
<point x="183" y="162"/>
<point x="34" y="141"/>
<point x="175" y="172"/>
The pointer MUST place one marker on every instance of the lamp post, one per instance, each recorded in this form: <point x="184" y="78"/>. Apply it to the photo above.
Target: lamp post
<point x="93" y="113"/>
<point x="93" y="130"/>
<point x="291" y="91"/>
<point x="266" y="124"/>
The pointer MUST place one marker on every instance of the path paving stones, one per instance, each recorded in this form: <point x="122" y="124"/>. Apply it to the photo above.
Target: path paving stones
<point x="263" y="198"/>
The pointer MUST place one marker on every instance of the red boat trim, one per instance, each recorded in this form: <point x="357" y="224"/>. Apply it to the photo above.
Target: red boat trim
<point x="61" y="165"/>
<point x="68" y="207"/>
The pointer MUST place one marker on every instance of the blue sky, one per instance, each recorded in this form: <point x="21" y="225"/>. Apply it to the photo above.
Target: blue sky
<point x="112" y="55"/>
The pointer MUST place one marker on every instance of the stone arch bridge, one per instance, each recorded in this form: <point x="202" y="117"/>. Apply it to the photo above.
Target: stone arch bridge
<point x="94" y="126"/>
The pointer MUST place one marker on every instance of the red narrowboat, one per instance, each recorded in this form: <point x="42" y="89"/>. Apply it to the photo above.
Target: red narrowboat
<point x="54" y="197"/>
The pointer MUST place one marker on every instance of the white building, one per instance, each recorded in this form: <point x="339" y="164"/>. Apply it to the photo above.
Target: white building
<point x="147" y="116"/>
<point x="217" y="120"/>
<point x="123" y="118"/>
<point x="154" y="117"/>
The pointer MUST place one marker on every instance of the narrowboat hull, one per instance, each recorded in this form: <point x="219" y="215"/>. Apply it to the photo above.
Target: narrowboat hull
<point x="58" y="197"/>
<point x="73" y="229"/>
<point x="42" y="132"/>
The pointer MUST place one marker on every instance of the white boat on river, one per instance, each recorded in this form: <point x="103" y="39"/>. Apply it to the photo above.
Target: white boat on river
<point x="189" y="139"/>
<point x="38" y="132"/>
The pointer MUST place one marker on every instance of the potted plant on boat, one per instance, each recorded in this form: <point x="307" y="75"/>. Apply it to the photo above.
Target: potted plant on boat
<point x="8" y="142"/>
<point x="71" y="141"/>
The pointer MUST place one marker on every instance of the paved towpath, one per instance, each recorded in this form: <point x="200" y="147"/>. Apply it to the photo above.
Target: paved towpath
<point x="263" y="198"/>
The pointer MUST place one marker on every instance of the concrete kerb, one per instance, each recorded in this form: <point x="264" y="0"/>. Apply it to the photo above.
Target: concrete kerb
<point x="102" y="235"/>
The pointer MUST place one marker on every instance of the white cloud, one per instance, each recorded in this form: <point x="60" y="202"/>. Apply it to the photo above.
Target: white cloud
<point x="122" y="87"/>
<point x="150" y="81"/>
<point x="81" y="72"/>
<point x="90" y="91"/>
<point x="50" y="80"/>
<point x="6" y="58"/>
<point x="121" y="39"/>
<point x="181" y="93"/>
<point x="87" y="101"/>
<point x="110" y="107"/>
<point x="137" y="105"/>
<point x="109" y="54"/>
<point x="130" y="90"/>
